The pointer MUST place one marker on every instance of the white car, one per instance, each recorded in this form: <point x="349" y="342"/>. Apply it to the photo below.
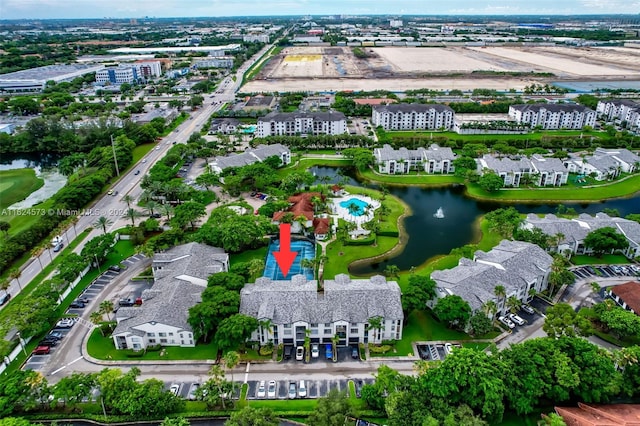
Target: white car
<point x="315" y="350"/>
<point x="262" y="391"/>
<point x="193" y="390"/>
<point x="65" y="323"/>
<point x="299" y="353"/>
<point x="271" y="390"/>
<point x="302" y="389"/>
<point x="175" y="388"/>
<point x="516" y="319"/>
<point x="506" y="321"/>
<point x="528" y="309"/>
<point x="448" y="347"/>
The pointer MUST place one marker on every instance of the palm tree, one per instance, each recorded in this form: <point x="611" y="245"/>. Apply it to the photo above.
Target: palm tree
<point x="15" y="273"/>
<point x="353" y="209"/>
<point x="167" y="210"/>
<point x="96" y="318"/>
<point x="128" y="199"/>
<point x="384" y="211"/>
<point x="102" y="222"/>
<point x="267" y="325"/>
<point x="490" y="308"/>
<point x="309" y="264"/>
<point x="500" y="293"/>
<point x="151" y="207"/>
<point x="106" y="307"/>
<point x="231" y="359"/>
<point x="36" y="252"/>
<point x="132" y="214"/>
<point x="374" y="323"/>
<point x="514" y="304"/>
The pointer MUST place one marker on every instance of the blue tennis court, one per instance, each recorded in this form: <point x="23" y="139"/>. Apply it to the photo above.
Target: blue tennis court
<point x="305" y="249"/>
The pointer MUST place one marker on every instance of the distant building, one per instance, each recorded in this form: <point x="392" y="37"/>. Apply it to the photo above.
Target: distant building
<point x="395" y="23"/>
<point x="34" y="79"/>
<point x="302" y="123"/>
<point x="130" y="73"/>
<point x="259" y="103"/>
<point x="222" y="62"/>
<point x="435" y="159"/>
<point x="604" y="163"/>
<point x="226" y="126"/>
<point x="255" y="38"/>
<point x="517" y="266"/>
<point x="623" y="110"/>
<point x="169" y="114"/>
<point x="553" y="116"/>
<point x="413" y="116"/>
<point x="180" y="276"/>
<point x="251" y="156"/>
<point x="295" y="309"/>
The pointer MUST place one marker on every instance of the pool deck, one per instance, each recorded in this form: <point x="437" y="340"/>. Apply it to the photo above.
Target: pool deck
<point x="343" y="212"/>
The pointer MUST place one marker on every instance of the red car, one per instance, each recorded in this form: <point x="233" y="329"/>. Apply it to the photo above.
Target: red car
<point x="41" y="350"/>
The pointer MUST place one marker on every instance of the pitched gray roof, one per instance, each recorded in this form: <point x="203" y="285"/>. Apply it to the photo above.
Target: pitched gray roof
<point x="439" y="153"/>
<point x="547" y="164"/>
<point x="344" y="299"/>
<point x="250" y="156"/>
<point x="386" y="153"/>
<point x="510" y="264"/>
<point x="292" y="116"/>
<point x="172" y="294"/>
<point x="621" y="154"/>
<point x="505" y="164"/>
<point x="552" y="108"/>
<point x="409" y="108"/>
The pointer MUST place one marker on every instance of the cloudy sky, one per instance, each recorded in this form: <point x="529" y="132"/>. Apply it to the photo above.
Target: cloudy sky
<point x="18" y="9"/>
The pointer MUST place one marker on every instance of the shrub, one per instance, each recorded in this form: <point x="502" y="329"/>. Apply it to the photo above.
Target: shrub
<point x="380" y="349"/>
<point x="265" y="350"/>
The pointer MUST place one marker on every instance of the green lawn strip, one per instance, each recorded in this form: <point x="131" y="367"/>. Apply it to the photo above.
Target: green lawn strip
<point x="422" y="135"/>
<point x="103" y="348"/>
<point x="480" y="346"/>
<point x="594" y="260"/>
<point x="307" y="163"/>
<point x="248" y="255"/>
<point x="411" y="179"/>
<point x="257" y="66"/>
<point x="285" y="405"/>
<point x="617" y="189"/>
<point x="630" y="341"/>
<point x="20" y="223"/>
<point x="253" y="355"/>
<point x="140" y="151"/>
<point x="17" y="184"/>
<point x="175" y="123"/>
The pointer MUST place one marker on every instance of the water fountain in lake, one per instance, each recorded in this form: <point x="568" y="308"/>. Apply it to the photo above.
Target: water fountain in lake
<point x="439" y="214"/>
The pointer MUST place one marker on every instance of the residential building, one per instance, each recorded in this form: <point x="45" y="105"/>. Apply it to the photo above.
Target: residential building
<point x="412" y="116"/>
<point x="259" y="103"/>
<point x="622" y="110"/>
<point x="548" y="171"/>
<point x="572" y="232"/>
<point x="180" y="276"/>
<point x="344" y="308"/>
<point x="397" y="161"/>
<point x="221" y="62"/>
<point x="521" y="268"/>
<point x="226" y="126"/>
<point x="130" y="73"/>
<point x="437" y="159"/>
<point x="626" y="295"/>
<point x="302" y="123"/>
<point x="604" y="163"/>
<point x="255" y="38"/>
<point x="553" y="116"/>
<point x="250" y="156"/>
<point x="511" y="171"/>
<point x="35" y="79"/>
<point x="600" y="415"/>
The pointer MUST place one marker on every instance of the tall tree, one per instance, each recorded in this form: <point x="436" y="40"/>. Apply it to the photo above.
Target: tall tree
<point x="235" y="330"/>
<point x="605" y="240"/>
<point x="103" y="222"/>
<point x="331" y="410"/>
<point x="453" y="310"/>
<point x="562" y="320"/>
<point x="250" y="416"/>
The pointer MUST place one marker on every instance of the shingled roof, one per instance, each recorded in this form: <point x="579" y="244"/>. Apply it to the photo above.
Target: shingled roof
<point x="629" y="292"/>
<point x="344" y="299"/>
<point x="409" y="108"/>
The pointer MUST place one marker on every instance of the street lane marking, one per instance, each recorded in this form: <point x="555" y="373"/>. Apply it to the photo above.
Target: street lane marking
<point x="65" y="366"/>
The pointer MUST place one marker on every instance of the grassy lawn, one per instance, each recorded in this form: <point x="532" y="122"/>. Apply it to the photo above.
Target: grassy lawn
<point x="248" y="255"/>
<point x="421" y="325"/>
<point x="16" y="185"/>
<point x="140" y="151"/>
<point x="257" y="66"/>
<point x="286" y="404"/>
<point x="594" y="260"/>
<point x="306" y="163"/>
<point x="421" y="135"/>
<point x="102" y="348"/>
<point x="412" y="178"/>
<point x="341" y="255"/>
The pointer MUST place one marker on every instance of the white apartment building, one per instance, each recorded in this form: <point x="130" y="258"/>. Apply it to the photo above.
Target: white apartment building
<point x="435" y="159"/>
<point x="620" y="109"/>
<point x="302" y="123"/>
<point x="130" y="73"/>
<point x="412" y="116"/>
<point x="221" y="62"/>
<point x="180" y="276"/>
<point x="517" y="266"/>
<point x="604" y="163"/>
<point x="553" y="116"/>
<point x="287" y="309"/>
<point x="544" y="171"/>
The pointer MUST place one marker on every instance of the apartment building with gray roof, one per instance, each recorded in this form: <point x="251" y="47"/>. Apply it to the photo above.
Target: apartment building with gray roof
<point x="517" y="266"/>
<point x="412" y="116"/>
<point x="553" y="116"/>
<point x="251" y="156"/>
<point x="604" y="163"/>
<point x="572" y="232"/>
<point x="343" y="307"/>
<point x="180" y="277"/>
<point x="435" y="159"/>
<point x="302" y="123"/>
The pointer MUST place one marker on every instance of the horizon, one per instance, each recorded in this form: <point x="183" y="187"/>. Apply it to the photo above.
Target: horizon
<point x="174" y="9"/>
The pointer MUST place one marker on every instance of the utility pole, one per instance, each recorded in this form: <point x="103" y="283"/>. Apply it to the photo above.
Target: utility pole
<point x="115" y="160"/>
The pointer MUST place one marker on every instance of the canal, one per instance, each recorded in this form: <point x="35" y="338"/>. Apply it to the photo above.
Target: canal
<point x="430" y="236"/>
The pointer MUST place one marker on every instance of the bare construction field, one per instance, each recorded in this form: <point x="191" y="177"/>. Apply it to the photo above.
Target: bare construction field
<point x="332" y="68"/>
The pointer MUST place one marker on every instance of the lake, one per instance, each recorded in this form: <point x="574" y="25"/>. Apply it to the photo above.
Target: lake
<point x="430" y="236"/>
<point x="45" y="167"/>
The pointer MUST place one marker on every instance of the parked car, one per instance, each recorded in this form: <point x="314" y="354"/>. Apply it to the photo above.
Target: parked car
<point x="76" y="304"/>
<point x="65" y="323"/>
<point x="293" y="391"/>
<point x="516" y="319"/>
<point x="193" y="390"/>
<point x="354" y="352"/>
<point x="115" y="268"/>
<point x="156" y="215"/>
<point x="448" y="348"/>
<point x="271" y="390"/>
<point x="288" y="350"/>
<point x="528" y="309"/>
<point x="302" y="389"/>
<point x="137" y="172"/>
<point x="48" y="341"/>
<point x="83" y="299"/>
<point x="4" y="298"/>
<point x="262" y="391"/>
<point x="110" y="192"/>
<point x="58" y="247"/>
<point x="299" y="353"/>
<point x="506" y="321"/>
<point x="315" y="350"/>
<point x="54" y="335"/>
<point x="41" y="350"/>
<point x="175" y="388"/>
<point x="328" y="351"/>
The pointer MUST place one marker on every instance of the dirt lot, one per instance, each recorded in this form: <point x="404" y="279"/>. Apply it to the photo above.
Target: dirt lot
<point x="324" y="68"/>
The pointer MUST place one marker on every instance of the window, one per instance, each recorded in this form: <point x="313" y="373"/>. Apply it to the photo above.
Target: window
<point x="287" y="326"/>
<point x="354" y="324"/>
<point x="191" y="342"/>
<point x="152" y="340"/>
<point x="151" y="334"/>
<point x="163" y="340"/>
<point x="162" y="334"/>
<point x="314" y="324"/>
<point x="327" y="331"/>
<point x="170" y="334"/>
<point x="181" y="336"/>
<point x="287" y="332"/>
<point x="353" y="331"/>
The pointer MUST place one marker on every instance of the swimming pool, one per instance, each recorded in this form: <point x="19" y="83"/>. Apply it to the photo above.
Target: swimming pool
<point x="362" y="205"/>
<point x="305" y="249"/>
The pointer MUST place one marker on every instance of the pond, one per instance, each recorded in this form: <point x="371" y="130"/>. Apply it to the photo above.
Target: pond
<point x="431" y="235"/>
<point x="45" y="167"/>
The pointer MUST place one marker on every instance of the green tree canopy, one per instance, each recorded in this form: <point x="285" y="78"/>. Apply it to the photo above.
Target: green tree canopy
<point x="453" y="310"/>
<point x="604" y="240"/>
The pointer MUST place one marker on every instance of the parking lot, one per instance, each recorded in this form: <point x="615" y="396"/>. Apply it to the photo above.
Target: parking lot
<point x="344" y="354"/>
<point x="606" y="271"/>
